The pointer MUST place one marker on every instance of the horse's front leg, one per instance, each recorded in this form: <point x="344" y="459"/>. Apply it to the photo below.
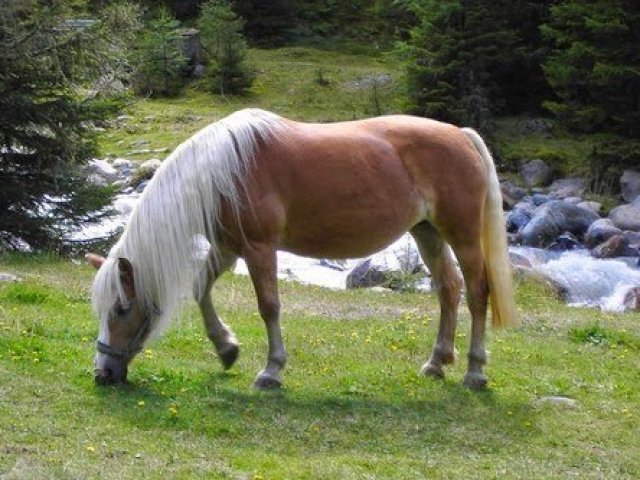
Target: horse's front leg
<point x="218" y="332"/>
<point x="262" y="264"/>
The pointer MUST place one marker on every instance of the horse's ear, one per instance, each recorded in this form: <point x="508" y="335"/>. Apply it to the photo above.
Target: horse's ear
<point x="126" y="276"/>
<point x="94" y="260"/>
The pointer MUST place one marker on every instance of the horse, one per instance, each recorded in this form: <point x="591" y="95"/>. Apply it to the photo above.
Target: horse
<point x="254" y="183"/>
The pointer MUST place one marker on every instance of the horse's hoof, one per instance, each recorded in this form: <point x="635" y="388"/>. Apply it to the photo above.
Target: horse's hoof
<point x="432" y="370"/>
<point x="228" y="355"/>
<point x="475" y="381"/>
<point x="264" y="382"/>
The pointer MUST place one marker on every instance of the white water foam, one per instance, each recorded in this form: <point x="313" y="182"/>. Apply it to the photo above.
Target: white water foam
<point x="589" y="281"/>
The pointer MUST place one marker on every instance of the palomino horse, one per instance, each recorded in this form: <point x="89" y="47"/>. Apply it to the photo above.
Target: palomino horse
<point x="255" y="182"/>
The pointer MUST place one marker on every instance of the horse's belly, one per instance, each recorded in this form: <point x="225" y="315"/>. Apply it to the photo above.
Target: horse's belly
<point x="349" y="232"/>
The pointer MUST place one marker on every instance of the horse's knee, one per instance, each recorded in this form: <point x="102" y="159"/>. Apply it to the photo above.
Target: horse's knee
<point x="269" y="309"/>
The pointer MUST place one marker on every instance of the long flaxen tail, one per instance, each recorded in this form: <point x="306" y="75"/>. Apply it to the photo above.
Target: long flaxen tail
<point x="494" y="243"/>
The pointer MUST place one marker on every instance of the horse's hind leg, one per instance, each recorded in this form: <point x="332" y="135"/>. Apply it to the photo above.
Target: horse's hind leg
<point x="437" y="256"/>
<point x="261" y="262"/>
<point x="471" y="260"/>
<point x="219" y="333"/>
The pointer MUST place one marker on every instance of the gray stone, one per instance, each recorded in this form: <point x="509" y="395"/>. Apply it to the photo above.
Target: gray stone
<point x="122" y="163"/>
<point x="630" y="185"/>
<point x="540" y="199"/>
<point x="536" y="173"/>
<point x="517" y="219"/>
<point x="554" y="218"/>
<point x="555" y="288"/>
<point x="632" y="299"/>
<point x="600" y="231"/>
<point x="511" y="194"/>
<point x="557" y="401"/>
<point x="365" y="274"/>
<point x="566" y="241"/>
<point x="573" y="200"/>
<point x="568" y="187"/>
<point x="9" y="277"/>
<point x="97" y="180"/>
<point x="150" y="165"/>
<point x="401" y="258"/>
<point x="616" y="246"/>
<point x="595" y="207"/>
<point x="627" y="217"/>
<point x="103" y="169"/>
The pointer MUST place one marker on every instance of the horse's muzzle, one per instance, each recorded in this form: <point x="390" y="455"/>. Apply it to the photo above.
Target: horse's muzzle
<point x="110" y="370"/>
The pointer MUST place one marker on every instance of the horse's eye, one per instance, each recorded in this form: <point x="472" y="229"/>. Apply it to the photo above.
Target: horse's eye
<point x="122" y="310"/>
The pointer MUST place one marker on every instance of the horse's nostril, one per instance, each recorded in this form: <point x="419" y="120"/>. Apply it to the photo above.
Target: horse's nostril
<point x="104" y="376"/>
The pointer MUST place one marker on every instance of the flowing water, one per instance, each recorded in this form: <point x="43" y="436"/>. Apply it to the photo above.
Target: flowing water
<point x="589" y="281"/>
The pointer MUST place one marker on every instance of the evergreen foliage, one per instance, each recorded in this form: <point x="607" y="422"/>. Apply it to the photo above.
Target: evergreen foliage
<point x="160" y="58"/>
<point x="469" y="60"/>
<point x="223" y="42"/>
<point x="52" y="73"/>
<point x="268" y="24"/>
<point x="595" y="66"/>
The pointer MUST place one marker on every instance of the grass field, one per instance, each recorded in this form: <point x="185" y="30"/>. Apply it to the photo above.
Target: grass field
<point x="300" y="82"/>
<point x="354" y="405"/>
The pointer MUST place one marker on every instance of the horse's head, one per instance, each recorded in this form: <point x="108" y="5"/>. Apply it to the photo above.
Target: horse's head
<point x="124" y="321"/>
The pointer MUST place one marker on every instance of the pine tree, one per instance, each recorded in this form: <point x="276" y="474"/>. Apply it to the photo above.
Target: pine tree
<point x="595" y="66"/>
<point x="160" y="58"/>
<point x="223" y="42"/>
<point x="468" y="60"/>
<point x="50" y="101"/>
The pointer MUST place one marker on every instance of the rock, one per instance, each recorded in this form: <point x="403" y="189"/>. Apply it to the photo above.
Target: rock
<point x="198" y="71"/>
<point x="141" y="142"/>
<point x="552" y="219"/>
<point x="9" y="277"/>
<point x="519" y="216"/>
<point x="141" y="186"/>
<point x="632" y="299"/>
<point x="151" y="164"/>
<point x="627" y="217"/>
<point x="511" y="194"/>
<point x="540" y="199"/>
<point x="633" y="240"/>
<point x="572" y="200"/>
<point x="558" y="401"/>
<point x="555" y="288"/>
<point x="97" y="180"/>
<point x="600" y="231"/>
<point x="536" y="126"/>
<point x="630" y="185"/>
<point x="616" y="246"/>
<point x="365" y="274"/>
<point x="145" y="171"/>
<point x="124" y="204"/>
<point x="566" y="241"/>
<point x="595" y="207"/>
<point x="122" y="164"/>
<point x="536" y="173"/>
<point x="568" y="187"/>
<point x="518" y="260"/>
<point x="103" y="169"/>
<point x="384" y="268"/>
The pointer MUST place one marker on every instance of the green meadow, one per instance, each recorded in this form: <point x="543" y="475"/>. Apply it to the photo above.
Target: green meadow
<point x="353" y="406"/>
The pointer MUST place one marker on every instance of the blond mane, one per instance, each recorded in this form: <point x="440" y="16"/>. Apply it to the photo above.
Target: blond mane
<point x="180" y="205"/>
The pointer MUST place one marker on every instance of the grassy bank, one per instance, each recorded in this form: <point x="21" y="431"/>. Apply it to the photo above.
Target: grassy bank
<point x="354" y="405"/>
<point x="300" y="82"/>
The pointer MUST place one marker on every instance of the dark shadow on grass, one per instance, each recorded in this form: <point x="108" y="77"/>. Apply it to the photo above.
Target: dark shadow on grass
<point x="218" y="409"/>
